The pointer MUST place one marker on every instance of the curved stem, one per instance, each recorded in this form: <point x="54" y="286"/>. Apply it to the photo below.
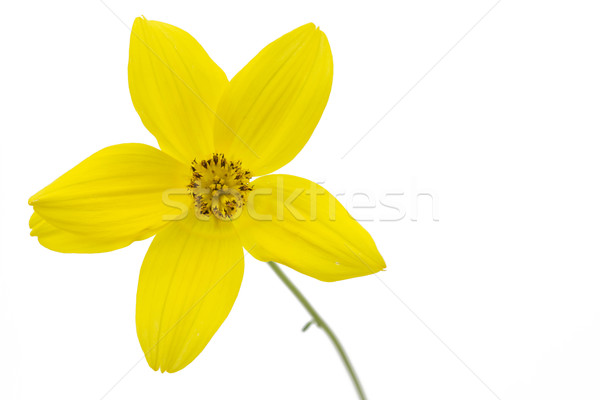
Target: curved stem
<point x="316" y="318"/>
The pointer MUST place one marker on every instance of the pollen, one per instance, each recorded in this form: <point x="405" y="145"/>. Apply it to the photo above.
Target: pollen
<point x="219" y="187"/>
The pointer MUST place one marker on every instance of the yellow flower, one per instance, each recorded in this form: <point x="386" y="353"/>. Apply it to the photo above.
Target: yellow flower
<point x="195" y="194"/>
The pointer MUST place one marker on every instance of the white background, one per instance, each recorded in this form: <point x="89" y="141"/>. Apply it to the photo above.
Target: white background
<point x="503" y="132"/>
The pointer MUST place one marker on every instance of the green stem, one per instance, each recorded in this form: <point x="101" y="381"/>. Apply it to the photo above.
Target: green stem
<point x="316" y="318"/>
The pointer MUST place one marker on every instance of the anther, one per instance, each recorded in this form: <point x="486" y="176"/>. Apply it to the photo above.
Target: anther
<point x="219" y="187"/>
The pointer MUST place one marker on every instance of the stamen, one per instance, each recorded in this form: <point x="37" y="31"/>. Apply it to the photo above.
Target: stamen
<point x="219" y="187"/>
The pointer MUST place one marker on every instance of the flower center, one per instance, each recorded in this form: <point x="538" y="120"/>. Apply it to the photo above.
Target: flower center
<point x="219" y="187"/>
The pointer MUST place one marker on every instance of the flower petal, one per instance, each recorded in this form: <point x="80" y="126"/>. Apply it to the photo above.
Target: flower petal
<point x="188" y="283"/>
<point x="271" y="107"/>
<point x="298" y="223"/>
<point x="175" y="87"/>
<point x="118" y="195"/>
<point x="62" y="241"/>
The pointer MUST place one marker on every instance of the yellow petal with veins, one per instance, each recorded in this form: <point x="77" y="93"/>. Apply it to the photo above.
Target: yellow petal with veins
<point x="175" y="87"/>
<point x="118" y="195"/>
<point x="62" y="241"/>
<point x="188" y="283"/>
<point x="271" y="107"/>
<point x="298" y="223"/>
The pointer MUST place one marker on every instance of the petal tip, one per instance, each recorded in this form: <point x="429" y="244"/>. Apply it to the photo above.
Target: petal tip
<point x="308" y="28"/>
<point x="137" y="21"/>
<point x="152" y="364"/>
